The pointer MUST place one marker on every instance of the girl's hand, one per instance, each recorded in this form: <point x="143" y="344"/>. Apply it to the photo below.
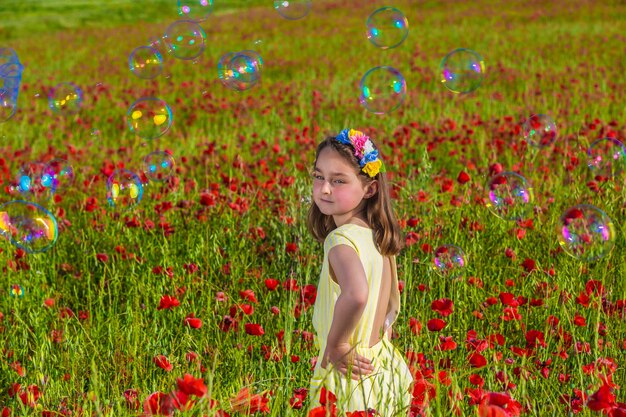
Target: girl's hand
<point x="344" y="358"/>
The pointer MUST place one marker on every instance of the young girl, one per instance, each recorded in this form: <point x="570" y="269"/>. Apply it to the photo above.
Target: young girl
<point x="358" y="298"/>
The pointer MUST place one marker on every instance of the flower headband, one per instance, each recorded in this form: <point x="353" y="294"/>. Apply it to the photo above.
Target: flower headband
<point x="364" y="150"/>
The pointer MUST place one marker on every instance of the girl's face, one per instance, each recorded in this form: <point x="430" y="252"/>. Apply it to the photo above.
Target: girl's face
<point x="337" y="189"/>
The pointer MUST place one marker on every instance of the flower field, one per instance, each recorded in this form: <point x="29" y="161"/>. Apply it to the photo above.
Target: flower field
<point x="197" y="301"/>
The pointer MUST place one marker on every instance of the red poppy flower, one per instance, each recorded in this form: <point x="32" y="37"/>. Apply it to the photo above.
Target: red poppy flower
<point x="446" y="343"/>
<point x="435" y="325"/>
<point x="415" y="326"/>
<point x="443" y="306"/>
<point x="102" y="257"/>
<point x="247" y="403"/>
<point x="291" y="247"/>
<point x="191" y="386"/>
<point x="168" y="302"/>
<point x="271" y="283"/>
<point x="248" y="295"/>
<point x="579" y="320"/>
<point x="192" y="321"/>
<point x="463" y="177"/>
<point x="131" y="398"/>
<point x="162" y="362"/>
<point x="603" y="399"/>
<point x="477" y="360"/>
<point x="158" y="404"/>
<point x="254" y="329"/>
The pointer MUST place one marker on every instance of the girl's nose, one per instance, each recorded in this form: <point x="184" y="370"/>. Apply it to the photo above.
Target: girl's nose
<point x="326" y="188"/>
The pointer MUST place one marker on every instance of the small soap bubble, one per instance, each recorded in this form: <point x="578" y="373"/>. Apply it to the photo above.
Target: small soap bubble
<point x="462" y="71"/>
<point x="124" y="190"/>
<point x="606" y="158"/>
<point x="28" y="226"/>
<point x="65" y="98"/>
<point x="387" y="27"/>
<point x="449" y="261"/>
<point x="8" y="105"/>
<point x="149" y="117"/>
<point x="58" y="175"/>
<point x="382" y="90"/>
<point x="539" y="130"/>
<point x="586" y="233"/>
<point x="145" y="62"/>
<point x="185" y="39"/>
<point x="158" y="166"/>
<point x="16" y="291"/>
<point x="196" y="10"/>
<point x="292" y="9"/>
<point x="241" y="70"/>
<point x="29" y="182"/>
<point x="510" y="196"/>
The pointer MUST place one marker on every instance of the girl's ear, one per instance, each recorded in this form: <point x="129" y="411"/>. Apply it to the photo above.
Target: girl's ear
<point x="372" y="188"/>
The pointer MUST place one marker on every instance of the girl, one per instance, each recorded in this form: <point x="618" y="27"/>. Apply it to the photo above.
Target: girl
<point x="358" y="298"/>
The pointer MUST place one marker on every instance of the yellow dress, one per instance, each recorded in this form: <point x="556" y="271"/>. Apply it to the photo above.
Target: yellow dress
<point x="387" y="388"/>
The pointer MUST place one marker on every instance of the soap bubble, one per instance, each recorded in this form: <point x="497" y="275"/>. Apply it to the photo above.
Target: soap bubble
<point x="124" y="190"/>
<point x="196" y="10"/>
<point x="606" y="157"/>
<point x="449" y="261"/>
<point x="292" y="9"/>
<point x="145" y="62"/>
<point x="65" y="98"/>
<point x="8" y="105"/>
<point x="510" y="196"/>
<point x="382" y="89"/>
<point x="387" y="27"/>
<point x="586" y="232"/>
<point x="462" y="71"/>
<point x="185" y="39"/>
<point x="539" y="130"/>
<point x="28" y="226"/>
<point x="57" y="175"/>
<point x="158" y="166"/>
<point x="30" y="182"/>
<point x="240" y="71"/>
<point x="149" y="117"/>
<point x="16" y="291"/>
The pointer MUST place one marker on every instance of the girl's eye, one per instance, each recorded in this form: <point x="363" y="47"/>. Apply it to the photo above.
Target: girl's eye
<point x="340" y="181"/>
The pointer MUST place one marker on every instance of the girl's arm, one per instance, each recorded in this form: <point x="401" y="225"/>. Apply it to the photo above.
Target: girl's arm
<point x="349" y="307"/>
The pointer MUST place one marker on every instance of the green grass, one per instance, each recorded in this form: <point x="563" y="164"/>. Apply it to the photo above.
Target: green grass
<point x="564" y="59"/>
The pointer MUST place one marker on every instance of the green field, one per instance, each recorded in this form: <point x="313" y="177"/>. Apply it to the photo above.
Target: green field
<point x="239" y="201"/>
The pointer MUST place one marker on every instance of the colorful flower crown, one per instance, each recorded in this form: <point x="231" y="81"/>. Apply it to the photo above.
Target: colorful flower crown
<point x="364" y="150"/>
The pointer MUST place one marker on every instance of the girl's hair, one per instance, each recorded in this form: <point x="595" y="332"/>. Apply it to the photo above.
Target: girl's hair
<point x="380" y="215"/>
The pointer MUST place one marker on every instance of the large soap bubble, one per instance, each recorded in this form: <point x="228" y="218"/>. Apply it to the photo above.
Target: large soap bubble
<point x="387" y="27"/>
<point x="382" y="89"/>
<point x="510" y="196"/>
<point x="606" y="157"/>
<point x="449" y="261"/>
<point x="28" y="226"/>
<point x="145" y="62"/>
<point x="586" y="232"/>
<point x="462" y="71"/>
<point x="31" y="182"/>
<point x="149" y="117"/>
<point x="65" y="98"/>
<point x="124" y="190"/>
<point x="241" y="70"/>
<point x="539" y="130"/>
<point x="185" y="39"/>
<point x="158" y="166"/>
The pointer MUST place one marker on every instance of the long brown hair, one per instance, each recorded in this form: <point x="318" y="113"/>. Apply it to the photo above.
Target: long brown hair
<point x="380" y="215"/>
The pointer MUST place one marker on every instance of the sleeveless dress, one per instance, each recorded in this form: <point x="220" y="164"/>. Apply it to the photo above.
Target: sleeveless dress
<point x="387" y="388"/>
